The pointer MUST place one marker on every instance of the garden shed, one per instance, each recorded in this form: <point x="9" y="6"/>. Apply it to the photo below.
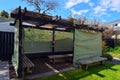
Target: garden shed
<point x="86" y="41"/>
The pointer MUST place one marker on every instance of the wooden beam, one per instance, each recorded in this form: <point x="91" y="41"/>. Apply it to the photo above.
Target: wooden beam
<point x="73" y="43"/>
<point x="86" y="27"/>
<point x="42" y="19"/>
<point x="44" y="28"/>
<point x="20" y="75"/>
<point x="53" y="41"/>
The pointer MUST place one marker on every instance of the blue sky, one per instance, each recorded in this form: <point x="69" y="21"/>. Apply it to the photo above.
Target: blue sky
<point x="101" y="10"/>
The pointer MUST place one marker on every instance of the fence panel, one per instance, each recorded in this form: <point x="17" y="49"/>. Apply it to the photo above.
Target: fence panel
<point x="110" y="42"/>
<point x="6" y="45"/>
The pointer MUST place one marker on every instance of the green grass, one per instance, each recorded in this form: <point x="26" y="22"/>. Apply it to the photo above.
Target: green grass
<point x="115" y="51"/>
<point x="116" y="55"/>
<point x="100" y="72"/>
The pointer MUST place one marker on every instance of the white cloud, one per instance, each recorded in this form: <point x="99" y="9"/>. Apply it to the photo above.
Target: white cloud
<point x="115" y="5"/>
<point x="105" y="5"/>
<point x="91" y="4"/>
<point x="101" y="9"/>
<point x="80" y="13"/>
<point x="72" y="3"/>
<point x="97" y="9"/>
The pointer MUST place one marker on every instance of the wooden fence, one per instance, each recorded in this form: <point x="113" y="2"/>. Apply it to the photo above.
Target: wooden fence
<point x="6" y="45"/>
<point x="110" y="43"/>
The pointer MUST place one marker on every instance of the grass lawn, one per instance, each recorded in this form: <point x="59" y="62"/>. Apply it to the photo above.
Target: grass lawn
<point x="116" y="55"/>
<point x="115" y="51"/>
<point x="99" y="72"/>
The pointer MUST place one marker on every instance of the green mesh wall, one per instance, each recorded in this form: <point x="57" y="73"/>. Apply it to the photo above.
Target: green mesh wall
<point x="64" y="41"/>
<point x="37" y="41"/>
<point x="86" y="45"/>
<point x="15" y="56"/>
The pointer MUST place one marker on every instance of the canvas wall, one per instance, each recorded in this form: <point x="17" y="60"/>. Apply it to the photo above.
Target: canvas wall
<point x="39" y="41"/>
<point x="15" y="56"/>
<point x="86" y="45"/>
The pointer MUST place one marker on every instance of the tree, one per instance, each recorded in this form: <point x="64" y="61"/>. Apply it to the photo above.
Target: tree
<point x="70" y="18"/>
<point x="4" y="14"/>
<point x="42" y="6"/>
<point x="108" y="33"/>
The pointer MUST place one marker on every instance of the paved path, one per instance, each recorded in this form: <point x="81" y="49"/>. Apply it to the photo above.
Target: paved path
<point x="48" y="73"/>
<point x="4" y="70"/>
<point x="114" y="61"/>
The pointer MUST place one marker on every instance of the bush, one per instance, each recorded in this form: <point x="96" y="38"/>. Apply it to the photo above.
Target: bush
<point x="105" y="49"/>
<point x="109" y="49"/>
<point x="114" y="50"/>
<point x="108" y="56"/>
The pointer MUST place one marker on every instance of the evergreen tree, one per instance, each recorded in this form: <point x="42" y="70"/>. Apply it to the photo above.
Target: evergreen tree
<point x="4" y="14"/>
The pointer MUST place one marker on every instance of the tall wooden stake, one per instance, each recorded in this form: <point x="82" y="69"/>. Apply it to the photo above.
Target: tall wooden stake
<point x="19" y="71"/>
<point x="73" y="42"/>
<point x="53" y="39"/>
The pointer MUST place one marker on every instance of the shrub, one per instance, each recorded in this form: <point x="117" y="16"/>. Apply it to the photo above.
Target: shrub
<point x="114" y="50"/>
<point x="108" y="56"/>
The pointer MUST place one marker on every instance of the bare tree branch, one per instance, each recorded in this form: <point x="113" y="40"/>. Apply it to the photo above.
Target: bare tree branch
<point x="42" y="6"/>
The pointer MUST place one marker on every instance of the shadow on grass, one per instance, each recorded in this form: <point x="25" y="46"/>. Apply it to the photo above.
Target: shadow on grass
<point x="93" y="73"/>
<point x="79" y="73"/>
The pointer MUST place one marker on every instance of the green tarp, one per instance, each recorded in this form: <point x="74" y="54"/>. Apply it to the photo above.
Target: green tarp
<point x="64" y="41"/>
<point x="86" y="45"/>
<point x="15" y="56"/>
<point x="39" y="41"/>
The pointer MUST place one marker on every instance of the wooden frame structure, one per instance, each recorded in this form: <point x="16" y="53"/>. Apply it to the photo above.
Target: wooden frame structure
<point x="39" y="20"/>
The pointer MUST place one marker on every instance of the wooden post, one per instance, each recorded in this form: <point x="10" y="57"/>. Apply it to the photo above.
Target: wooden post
<point x="53" y="39"/>
<point x="73" y="41"/>
<point x="115" y="40"/>
<point x="19" y="71"/>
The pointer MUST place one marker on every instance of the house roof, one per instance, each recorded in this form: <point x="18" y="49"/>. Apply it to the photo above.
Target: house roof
<point x="5" y="26"/>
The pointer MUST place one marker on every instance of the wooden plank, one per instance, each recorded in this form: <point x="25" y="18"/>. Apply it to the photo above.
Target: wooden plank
<point x="60" y="56"/>
<point x="86" y="62"/>
<point x="91" y="60"/>
<point x="40" y="19"/>
<point x="27" y="63"/>
<point x="54" y="57"/>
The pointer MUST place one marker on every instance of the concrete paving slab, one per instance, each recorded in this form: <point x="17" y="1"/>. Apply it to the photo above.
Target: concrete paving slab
<point x="4" y="70"/>
<point x="48" y="73"/>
